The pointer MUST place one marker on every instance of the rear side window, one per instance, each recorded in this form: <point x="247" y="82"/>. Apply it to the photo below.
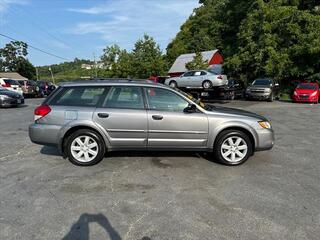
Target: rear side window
<point x="124" y="97"/>
<point x="79" y="96"/>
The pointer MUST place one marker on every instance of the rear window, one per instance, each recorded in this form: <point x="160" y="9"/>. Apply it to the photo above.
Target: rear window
<point x="79" y="96"/>
<point x="11" y="82"/>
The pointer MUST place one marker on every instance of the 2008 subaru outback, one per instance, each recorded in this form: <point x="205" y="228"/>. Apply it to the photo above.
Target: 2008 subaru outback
<point x="87" y="119"/>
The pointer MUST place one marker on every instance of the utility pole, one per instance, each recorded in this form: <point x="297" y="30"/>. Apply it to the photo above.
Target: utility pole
<point x="37" y="72"/>
<point x="95" y="65"/>
<point x="51" y="75"/>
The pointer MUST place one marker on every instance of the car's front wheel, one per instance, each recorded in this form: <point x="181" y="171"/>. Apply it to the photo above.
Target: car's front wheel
<point x="173" y="84"/>
<point x="232" y="147"/>
<point x="207" y="84"/>
<point x="85" y="148"/>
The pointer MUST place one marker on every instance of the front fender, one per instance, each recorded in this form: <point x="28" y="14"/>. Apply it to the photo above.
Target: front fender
<point x="228" y="125"/>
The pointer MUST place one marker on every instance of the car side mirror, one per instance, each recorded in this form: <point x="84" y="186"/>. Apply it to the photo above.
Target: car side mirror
<point x="190" y="109"/>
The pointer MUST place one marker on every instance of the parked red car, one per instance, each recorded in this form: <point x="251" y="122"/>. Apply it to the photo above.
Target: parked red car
<point x="306" y="92"/>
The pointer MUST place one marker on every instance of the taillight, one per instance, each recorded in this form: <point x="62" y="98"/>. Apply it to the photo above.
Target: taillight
<point x="41" y="111"/>
<point x="6" y="85"/>
<point x="220" y="77"/>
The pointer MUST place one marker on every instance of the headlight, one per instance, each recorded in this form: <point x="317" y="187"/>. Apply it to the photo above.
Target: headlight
<point x="267" y="90"/>
<point x="313" y="94"/>
<point x="295" y="93"/>
<point x="265" y="124"/>
<point x="3" y="97"/>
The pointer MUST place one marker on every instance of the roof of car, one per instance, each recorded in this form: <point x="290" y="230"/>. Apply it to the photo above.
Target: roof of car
<point x="113" y="81"/>
<point x="308" y="83"/>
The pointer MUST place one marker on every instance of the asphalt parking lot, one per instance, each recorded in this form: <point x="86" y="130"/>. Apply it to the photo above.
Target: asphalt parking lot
<point x="275" y="195"/>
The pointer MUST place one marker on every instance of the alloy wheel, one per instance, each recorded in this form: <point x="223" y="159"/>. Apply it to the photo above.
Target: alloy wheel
<point x="234" y="149"/>
<point x="84" y="149"/>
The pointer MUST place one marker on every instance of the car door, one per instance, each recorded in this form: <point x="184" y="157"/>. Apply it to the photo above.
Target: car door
<point x="169" y="126"/>
<point x="197" y="79"/>
<point x="186" y="79"/>
<point x="124" y="117"/>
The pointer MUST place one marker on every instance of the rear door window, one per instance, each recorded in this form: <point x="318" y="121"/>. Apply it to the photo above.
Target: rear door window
<point x="79" y="96"/>
<point x="124" y="97"/>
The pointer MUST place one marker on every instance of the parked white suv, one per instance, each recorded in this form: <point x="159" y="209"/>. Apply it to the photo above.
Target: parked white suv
<point x="11" y="85"/>
<point x="204" y="79"/>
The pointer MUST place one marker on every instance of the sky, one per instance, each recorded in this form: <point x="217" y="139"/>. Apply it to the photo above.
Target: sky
<point x="83" y="28"/>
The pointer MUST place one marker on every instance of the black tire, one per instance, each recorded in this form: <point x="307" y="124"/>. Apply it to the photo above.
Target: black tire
<point x="207" y="84"/>
<point x="101" y="148"/>
<point x="173" y="84"/>
<point x="271" y="98"/>
<point x="222" y="137"/>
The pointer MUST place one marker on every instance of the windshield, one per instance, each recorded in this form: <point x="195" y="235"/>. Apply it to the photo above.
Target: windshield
<point x="307" y="86"/>
<point x="261" y="82"/>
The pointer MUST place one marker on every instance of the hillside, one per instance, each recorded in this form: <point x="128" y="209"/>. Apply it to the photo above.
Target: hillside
<point x="65" y="71"/>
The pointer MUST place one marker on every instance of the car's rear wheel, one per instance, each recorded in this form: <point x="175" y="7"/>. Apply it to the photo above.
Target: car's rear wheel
<point x="232" y="147"/>
<point x="85" y="148"/>
<point x="173" y="84"/>
<point x="207" y="84"/>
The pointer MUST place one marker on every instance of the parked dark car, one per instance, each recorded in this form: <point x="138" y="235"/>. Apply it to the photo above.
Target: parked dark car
<point x="9" y="98"/>
<point x="29" y="88"/>
<point x="263" y="89"/>
<point x="46" y="87"/>
<point x="234" y="89"/>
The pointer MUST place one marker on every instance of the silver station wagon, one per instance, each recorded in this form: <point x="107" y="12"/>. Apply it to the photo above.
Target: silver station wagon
<point x="87" y="119"/>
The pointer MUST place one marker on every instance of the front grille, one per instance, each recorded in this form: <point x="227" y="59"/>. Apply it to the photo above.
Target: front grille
<point x="304" y="96"/>
<point x="257" y="90"/>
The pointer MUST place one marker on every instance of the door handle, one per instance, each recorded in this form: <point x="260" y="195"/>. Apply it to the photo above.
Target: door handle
<point x="157" y="117"/>
<point x="103" y="115"/>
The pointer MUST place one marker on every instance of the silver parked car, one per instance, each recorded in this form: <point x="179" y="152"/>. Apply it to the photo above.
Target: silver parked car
<point x="205" y="79"/>
<point x="85" y="120"/>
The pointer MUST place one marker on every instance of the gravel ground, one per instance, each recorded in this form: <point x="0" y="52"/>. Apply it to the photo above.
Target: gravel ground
<point x="274" y="195"/>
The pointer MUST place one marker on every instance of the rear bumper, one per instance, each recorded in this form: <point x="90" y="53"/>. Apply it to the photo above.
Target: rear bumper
<point x="265" y="139"/>
<point x="44" y="134"/>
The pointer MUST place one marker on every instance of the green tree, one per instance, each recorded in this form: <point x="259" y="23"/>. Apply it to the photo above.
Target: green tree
<point x="197" y="63"/>
<point x="277" y="38"/>
<point x="147" y="58"/>
<point x="13" y="59"/>
<point x="110" y="56"/>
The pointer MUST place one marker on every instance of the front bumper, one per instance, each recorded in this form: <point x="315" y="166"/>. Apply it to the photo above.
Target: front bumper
<point x="11" y="102"/>
<point x="265" y="139"/>
<point x="306" y="99"/>
<point x="259" y="96"/>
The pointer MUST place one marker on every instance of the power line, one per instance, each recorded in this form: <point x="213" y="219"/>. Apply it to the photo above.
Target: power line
<point x="35" y="48"/>
<point x="28" y="14"/>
